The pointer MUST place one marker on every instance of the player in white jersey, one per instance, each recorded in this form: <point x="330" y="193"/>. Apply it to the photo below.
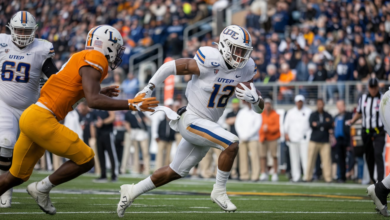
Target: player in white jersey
<point x="23" y="59"/>
<point x="215" y="74"/>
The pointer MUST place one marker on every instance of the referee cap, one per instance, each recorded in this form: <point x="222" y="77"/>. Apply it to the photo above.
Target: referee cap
<point x="373" y="82"/>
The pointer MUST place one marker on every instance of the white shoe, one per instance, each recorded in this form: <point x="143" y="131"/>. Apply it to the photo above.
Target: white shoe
<point x="42" y="198"/>
<point x="275" y="177"/>
<point x="382" y="208"/>
<point x="219" y="196"/>
<point x="6" y="199"/>
<point x="264" y="177"/>
<point x="126" y="199"/>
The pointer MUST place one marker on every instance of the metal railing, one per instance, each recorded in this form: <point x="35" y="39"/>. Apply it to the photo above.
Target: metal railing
<point x="186" y="34"/>
<point x="283" y="94"/>
<point x="159" y="56"/>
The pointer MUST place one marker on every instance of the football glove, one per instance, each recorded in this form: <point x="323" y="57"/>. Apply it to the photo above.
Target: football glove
<point x="248" y="95"/>
<point x="139" y="103"/>
<point x="148" y="90"/>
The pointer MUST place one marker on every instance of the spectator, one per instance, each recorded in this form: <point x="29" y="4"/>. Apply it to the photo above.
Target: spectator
<point x="297" y="131"/>
<point x="164" y="140"/>
<point x="344" y="73"/>
<point x="285" y="77"/>
<point x="247" y="125"/>
<point x="321" y="123"/>
<point x="362" y="71"/>
<point x="269" y="134"/>
<point x="130" y="86"/>
<point x="302" y="69"/>
<point x="135" y="123"/>
<point x="379" y="68"/>
<point x="342" y="135"/>
<point x="103" y="132"/>
<point x="280" y="19"/>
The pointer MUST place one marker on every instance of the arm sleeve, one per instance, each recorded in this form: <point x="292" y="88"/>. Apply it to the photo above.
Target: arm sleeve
<point x="163" y="72"/>
<point x="49" y="68"/>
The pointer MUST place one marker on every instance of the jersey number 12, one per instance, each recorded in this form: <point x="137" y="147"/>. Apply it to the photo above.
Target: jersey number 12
<point x="223" y="100"/>
<point x="8" y="69"/>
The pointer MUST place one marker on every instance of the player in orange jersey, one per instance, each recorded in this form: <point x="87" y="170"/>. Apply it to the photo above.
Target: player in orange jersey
<point x="77" y="80"/>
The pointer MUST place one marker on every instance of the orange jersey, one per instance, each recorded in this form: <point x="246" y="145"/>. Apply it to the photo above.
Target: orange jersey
<point x="64" y="90"/>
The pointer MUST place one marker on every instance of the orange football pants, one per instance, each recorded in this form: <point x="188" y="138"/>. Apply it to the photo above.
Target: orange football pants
<point x="40" y="131"/>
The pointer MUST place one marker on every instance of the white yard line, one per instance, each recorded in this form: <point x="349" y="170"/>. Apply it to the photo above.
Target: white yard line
<point x="207" y="199"/>
<point x="191" y="212"/>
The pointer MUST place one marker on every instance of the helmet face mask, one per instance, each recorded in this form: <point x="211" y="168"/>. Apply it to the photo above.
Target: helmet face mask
<point x="22" y="27"/>
<point x="118" y="58"/>
<point x="235" y="46"/>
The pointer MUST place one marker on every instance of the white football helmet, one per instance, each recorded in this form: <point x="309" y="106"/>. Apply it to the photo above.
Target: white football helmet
<point x="235" y="45"/>
<point x="108" y="41"/>
<point x="22" y="27"/>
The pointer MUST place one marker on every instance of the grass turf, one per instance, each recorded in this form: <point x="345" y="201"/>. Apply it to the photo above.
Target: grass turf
<point x="189" y="199"/>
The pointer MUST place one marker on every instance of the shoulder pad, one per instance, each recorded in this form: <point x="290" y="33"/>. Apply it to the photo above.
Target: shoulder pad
<point x="97" y="60"/>
<point x="45" y="46"/>
<point x="208" y="56"/>
<point x="251" y="66"/>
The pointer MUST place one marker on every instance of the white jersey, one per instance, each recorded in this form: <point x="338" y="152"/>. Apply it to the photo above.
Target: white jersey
<point x="209" y="93"/>
<point x="21" y="70"/>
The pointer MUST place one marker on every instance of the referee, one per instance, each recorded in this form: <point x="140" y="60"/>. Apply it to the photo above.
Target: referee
<point x="373" y="134"/>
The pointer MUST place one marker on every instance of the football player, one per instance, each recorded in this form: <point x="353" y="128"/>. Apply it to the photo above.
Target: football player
<point x="378" y="192"/>
<point x="77" y="80"/>
<point x="23" y="59"/>
<point x="215" y="75"/>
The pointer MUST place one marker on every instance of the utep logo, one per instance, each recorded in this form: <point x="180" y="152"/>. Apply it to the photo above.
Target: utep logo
<point x="222" y="80"/>
<point x="3" y="44"/>
<point x="215" y="64"/>
<point x="230" y="32"/>
<point x="112" y="40"/>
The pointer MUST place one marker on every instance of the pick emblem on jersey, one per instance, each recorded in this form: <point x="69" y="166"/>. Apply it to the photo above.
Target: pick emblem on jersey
<point x="215" y="64"/>
<point x="216" y="71"/>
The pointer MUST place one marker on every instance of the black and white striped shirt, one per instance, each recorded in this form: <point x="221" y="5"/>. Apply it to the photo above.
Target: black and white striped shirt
<point x="369" y="108"/>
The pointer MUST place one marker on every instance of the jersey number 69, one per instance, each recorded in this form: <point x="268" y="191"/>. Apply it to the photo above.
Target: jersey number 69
<point x="8" y="68"/>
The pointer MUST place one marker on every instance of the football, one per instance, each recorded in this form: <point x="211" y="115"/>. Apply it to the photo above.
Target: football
<point x="248" y="84"/>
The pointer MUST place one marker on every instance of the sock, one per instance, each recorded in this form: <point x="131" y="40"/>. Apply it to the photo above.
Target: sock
<point x="222" y="178"/>
<point x="386" y="182"/>
<point x="45" y="185"/>
<point x="142" y="187"/>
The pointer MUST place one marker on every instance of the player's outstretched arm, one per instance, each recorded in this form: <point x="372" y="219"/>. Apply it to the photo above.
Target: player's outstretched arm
<point x="185" y="66"/>
<point x="92" y="92"/>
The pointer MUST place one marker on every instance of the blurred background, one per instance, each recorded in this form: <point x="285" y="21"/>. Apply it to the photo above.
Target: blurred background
<point x="324" y="50"/>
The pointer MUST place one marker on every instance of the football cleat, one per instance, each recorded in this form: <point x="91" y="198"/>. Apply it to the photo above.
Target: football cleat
<point x="126" y="199"/>
<point x="6" y="199"/>
<point x="275" y="177"/>
<point x="42" y="199"/>
<point x="264" y="177"/>
<point x="378" y="193"/>
<point x="219" y="196"/>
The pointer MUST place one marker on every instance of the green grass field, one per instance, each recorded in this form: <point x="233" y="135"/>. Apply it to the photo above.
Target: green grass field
<point x="189" y="199"/>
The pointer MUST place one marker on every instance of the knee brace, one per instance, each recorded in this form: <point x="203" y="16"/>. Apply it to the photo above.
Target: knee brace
<point x="5" y="158"/>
